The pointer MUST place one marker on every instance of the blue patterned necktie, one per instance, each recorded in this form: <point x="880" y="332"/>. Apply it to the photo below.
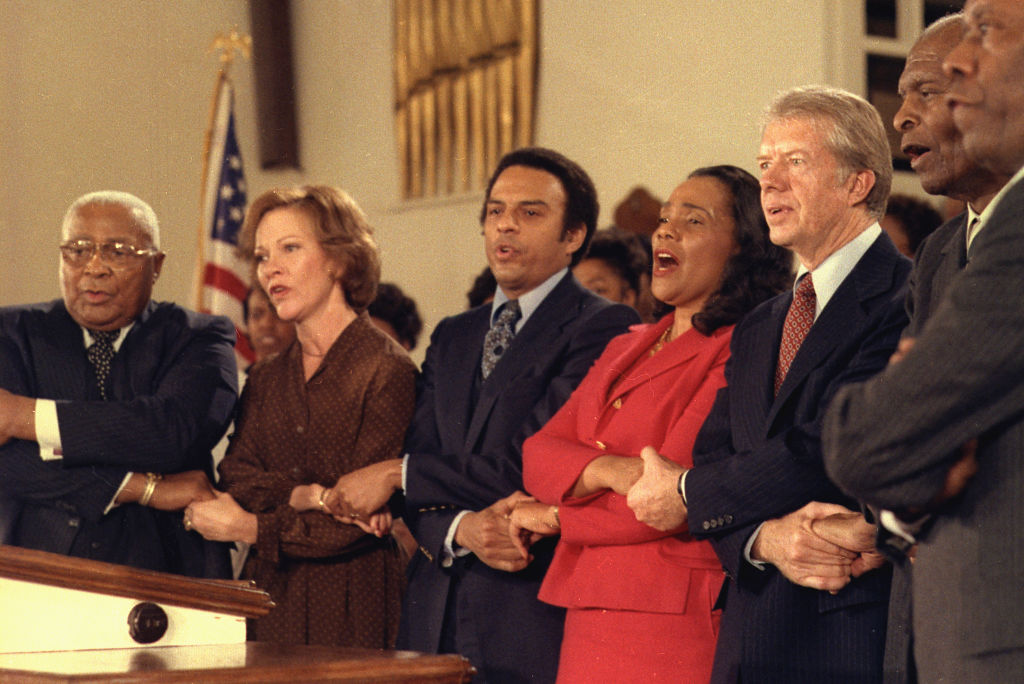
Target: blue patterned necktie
<point x="101" y="353"/>
<point x="499" y="336"/>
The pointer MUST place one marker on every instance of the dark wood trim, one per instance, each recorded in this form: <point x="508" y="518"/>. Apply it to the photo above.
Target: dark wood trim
<point x="274" y="83"/>
<point x="263" y="664"/>
<point x="221" y="596"/>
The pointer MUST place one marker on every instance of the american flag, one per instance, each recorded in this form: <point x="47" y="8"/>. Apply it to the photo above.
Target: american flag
<point x="221" y="276"/>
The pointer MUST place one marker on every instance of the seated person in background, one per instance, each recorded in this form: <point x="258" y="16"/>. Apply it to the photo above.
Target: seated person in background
<point x="338" y="399"/>
<point x="267" y="333"/>
<point x="105" y="392"/>
<point x="395" y="313"/>
<point x="641" y="601"/>
<point x="614" y="266"/>
<point x="908" y="221"/>
<point x="482" y="290"/>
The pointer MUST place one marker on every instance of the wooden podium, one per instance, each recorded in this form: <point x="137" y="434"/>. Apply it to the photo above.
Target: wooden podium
<point x="68" y="619"/>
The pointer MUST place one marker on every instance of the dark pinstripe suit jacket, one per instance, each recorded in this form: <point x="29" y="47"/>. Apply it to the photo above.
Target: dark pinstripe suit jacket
<point x="964" y="379"/>
<point x="173" y="384"/>
<point x="758" y="457"/>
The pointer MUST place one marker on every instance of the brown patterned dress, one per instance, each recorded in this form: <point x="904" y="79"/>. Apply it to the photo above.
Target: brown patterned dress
<point x="332" y="583"/>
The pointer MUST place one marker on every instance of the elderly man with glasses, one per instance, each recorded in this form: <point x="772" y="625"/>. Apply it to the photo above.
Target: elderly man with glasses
<point x="106" y="394"/>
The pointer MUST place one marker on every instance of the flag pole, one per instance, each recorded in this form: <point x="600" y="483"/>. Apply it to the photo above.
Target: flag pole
<point x="227" y="45"/>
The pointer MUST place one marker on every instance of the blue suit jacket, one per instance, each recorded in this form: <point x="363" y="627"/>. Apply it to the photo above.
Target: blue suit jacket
<point x="758" y="457"/>
<point x="465" y="455"/>
<point x="173" y="387"/>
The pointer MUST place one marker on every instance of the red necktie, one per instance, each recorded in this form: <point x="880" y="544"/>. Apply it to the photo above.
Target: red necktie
<point x="798" y="322"/>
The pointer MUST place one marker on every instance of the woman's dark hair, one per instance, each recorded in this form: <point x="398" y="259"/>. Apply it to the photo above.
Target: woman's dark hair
<point x="917" y="217"/>
<point x="399" y="310"/>
<point x="623" y="253"/>
<point x="759" y="270"/>
<point x="482" y="289"/>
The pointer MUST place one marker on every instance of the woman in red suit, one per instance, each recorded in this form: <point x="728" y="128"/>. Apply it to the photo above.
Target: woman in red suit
<point x="640" y="602"/>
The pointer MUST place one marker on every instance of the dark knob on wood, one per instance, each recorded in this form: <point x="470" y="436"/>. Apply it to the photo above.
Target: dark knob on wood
<point x="147" y="622"/>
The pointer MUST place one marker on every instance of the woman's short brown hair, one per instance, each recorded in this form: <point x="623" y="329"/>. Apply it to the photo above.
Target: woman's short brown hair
<point x="341" y="229"/>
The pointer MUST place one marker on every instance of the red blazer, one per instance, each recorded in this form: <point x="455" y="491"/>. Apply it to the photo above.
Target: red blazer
<point x="605" y="558"/>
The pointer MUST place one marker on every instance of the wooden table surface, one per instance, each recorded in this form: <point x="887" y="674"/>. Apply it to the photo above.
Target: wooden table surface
<point x="248" y="662"/>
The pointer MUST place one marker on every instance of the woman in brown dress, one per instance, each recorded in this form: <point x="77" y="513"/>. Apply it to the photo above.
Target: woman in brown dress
<point x="337" y="399"/>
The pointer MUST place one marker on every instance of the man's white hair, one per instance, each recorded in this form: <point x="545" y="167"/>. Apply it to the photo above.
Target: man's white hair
<point x="143" y="214"/>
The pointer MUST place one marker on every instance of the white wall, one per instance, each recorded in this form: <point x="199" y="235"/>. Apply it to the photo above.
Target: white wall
<point x="116" y="94"/>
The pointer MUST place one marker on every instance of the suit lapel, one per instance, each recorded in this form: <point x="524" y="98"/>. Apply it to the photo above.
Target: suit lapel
<point x="652" y="367"/>
<point x="954" y="258"/>
<point x="845" y="311"/>
<point x="755" y="384"/>
<point x="462" y="369"/>
<point x="537" y="339"/>
<point x="61" y="365"/>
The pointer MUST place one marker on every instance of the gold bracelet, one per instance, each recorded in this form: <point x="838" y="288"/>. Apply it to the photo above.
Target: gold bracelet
<point x="147" y="493"/>
<point x="558" y="521"/>
<point x="323" y="498"/>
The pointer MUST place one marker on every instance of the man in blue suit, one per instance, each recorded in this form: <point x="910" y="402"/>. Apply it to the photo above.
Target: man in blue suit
<point x="492" y="377"/>
<point x="105" y="393"/>
<point x="798" y="607"/>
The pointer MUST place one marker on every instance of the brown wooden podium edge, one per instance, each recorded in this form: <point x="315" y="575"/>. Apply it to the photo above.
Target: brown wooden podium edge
<point x="265" y="663"/>
<point x="224" y="596"/>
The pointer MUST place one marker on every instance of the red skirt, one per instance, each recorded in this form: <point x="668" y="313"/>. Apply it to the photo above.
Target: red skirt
<point x="626" y="646"/>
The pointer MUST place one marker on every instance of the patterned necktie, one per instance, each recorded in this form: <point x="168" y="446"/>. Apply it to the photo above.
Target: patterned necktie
<point x="101" y="353"/>
<point x="499" y="336"/>
<point x="798" y="322"/>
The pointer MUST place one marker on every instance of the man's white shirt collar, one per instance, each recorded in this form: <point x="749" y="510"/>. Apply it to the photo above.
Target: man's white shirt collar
<point x="831" y="273"/>
<point x="528" y="302"/>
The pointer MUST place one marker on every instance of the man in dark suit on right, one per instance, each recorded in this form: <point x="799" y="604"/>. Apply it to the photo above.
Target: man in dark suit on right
<point x="935" y="148"/>
<point x="758" y="488"/>
<point x="954" y="450"/>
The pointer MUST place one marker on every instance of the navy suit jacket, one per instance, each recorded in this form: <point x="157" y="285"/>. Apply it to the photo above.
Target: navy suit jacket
<point x="173" y="387"/>
<point x="465" y="455"/>
<point x="963" y="380"/>
<point x="758" y="457"/>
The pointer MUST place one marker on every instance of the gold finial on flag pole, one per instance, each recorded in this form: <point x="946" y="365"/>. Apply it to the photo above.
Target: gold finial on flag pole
<point x="230" y="43"/>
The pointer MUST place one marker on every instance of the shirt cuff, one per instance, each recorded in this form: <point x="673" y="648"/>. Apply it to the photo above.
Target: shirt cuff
<point x="760" y="565"/>
<point x="47" y="430"/>
<point x="682" y="486"/>
<point x="450" y="552"/>
<point x="113" y="501"/>
<point x="405" y="469"/>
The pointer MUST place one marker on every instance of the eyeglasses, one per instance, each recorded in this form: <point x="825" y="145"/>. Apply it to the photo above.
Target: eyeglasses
<point x="116" y="254"/>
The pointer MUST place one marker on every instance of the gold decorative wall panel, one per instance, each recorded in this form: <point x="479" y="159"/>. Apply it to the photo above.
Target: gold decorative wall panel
<point x="465" y="75"/>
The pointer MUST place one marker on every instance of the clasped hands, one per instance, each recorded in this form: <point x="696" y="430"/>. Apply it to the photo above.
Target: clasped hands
<point x="822" y="546"/>
<point x="360" y="498"/>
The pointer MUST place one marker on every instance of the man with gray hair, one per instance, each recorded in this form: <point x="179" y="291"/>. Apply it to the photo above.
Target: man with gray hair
<point x="805" y="599"/>
<point x="105" y="393"/>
